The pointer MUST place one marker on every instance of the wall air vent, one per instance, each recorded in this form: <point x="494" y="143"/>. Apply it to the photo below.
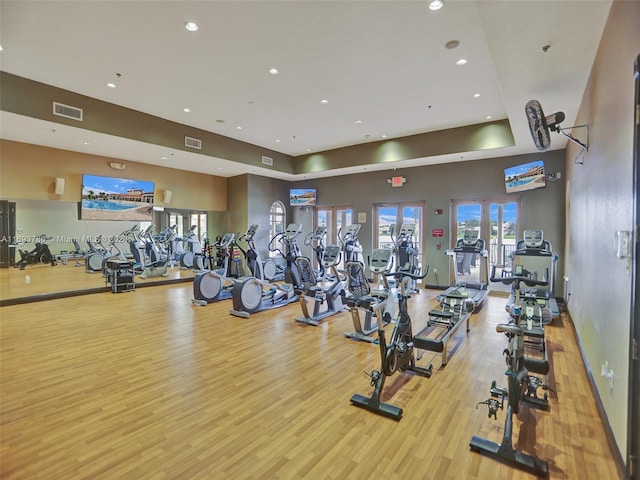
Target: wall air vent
<point x="193" y="143"/>
<point x="67" y="111"/>
<point x="267" y="161"/>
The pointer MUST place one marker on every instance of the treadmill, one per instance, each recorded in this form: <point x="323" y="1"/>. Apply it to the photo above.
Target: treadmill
<point x="536" y="256"/>
<point x="470" y="264"/>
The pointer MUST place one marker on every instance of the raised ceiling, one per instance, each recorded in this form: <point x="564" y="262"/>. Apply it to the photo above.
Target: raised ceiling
<point x="383" y="67"/>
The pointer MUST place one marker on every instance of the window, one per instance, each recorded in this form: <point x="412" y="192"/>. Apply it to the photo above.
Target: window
<point x="277" y="222"/>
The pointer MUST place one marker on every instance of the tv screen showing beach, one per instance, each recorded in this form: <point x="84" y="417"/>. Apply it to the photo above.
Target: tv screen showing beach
<point x="525" y="177"/>
<point x="301" y="197"/>
<point x="108" y="198"/>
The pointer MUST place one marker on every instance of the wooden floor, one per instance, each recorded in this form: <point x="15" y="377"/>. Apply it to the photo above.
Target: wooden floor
<point x="143" y="385"/>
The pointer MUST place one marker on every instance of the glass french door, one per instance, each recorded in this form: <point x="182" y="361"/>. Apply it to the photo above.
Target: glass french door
<point x="394" y="215"/>
<point x="496" y="220"/>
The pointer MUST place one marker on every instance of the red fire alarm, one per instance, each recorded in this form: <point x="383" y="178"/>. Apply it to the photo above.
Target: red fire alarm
<point x="397" y="181"/>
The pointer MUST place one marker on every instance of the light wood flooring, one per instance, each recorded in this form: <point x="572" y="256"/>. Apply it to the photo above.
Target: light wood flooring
<point x="143" y="385"/>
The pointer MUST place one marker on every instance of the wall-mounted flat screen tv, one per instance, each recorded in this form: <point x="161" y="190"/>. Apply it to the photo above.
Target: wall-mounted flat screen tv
<point x="109" y="198"/>
<point x="525" y="177"/>
<point x="302" y="197"/>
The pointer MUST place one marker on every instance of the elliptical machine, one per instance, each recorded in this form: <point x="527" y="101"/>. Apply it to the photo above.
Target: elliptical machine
<point x="395" y="355"/>
<point x="350" y="245"/>
<point x="405" y="251"/>
<point x="214" y="285"/>
<point x="289" y="240"/>
<point x="96" y="256"/>
<point x="191" y="258"/>
<point x="158" y="261"/>
<point x="253" y="294"/>
<point x="315" y="240"/>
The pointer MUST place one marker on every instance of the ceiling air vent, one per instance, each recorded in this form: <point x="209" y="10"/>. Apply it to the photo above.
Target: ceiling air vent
<point x="267" y="161"/>
<point x="67" y="111"/>
<point x="193" y="143"/>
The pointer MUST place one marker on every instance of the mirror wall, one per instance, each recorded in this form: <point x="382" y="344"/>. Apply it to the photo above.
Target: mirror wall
<point x="59" y="222"/>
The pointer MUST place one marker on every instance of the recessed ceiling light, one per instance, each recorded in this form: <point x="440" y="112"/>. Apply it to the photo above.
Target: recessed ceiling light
<point x="277" y="140"/>
<point x="111" y="85"/>
<point x="488" y="117"/>
<point x="476" y="95"/>
<point x="1" y="49"/>
<point x="462" y="61"/>
<point x="191" y="26"/>
<point x="324" y="101"/>
<point x="164" y="158"/>
<point x="186" y="110"/>
<point x="220" y="120"/>
<point x="451" y="44"/>
<point x="436" y="4"/>
<point x="384" y="136"/>
<point x="238" y="127"/>
<point x="86" y="143"/>
<point x="274" y="71"/>
<point x="308" y="149"/>
<point x="358" y="122"/>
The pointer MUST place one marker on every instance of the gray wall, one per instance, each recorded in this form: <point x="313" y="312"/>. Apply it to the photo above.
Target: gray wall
<point x="438" y="185"/>
<point x="600" y="202"/>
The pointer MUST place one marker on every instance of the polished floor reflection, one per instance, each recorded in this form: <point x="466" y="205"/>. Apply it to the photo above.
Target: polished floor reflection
<point x="41" y="279"/>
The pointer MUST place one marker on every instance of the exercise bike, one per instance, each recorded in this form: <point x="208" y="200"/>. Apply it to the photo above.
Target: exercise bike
<point x="528" y="310"/>
<point x="397" y="354"/>
<point x="377" y="303"/>
<point x="251" y="294"/>
<point x="311" y="291"/>
<point x="521" y="386"/>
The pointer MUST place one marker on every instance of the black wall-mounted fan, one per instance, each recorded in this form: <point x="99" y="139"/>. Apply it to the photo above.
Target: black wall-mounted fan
<point x="540" y="126"/>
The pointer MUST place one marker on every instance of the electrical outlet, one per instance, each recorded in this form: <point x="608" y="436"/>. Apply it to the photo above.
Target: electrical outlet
<point x="607" y="373"/>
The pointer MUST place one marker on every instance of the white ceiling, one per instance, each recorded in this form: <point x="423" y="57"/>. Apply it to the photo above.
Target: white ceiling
<point x="383" y="63"/>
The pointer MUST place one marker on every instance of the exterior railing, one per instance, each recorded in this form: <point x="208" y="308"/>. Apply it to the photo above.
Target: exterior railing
<point x="500" y="255"/>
